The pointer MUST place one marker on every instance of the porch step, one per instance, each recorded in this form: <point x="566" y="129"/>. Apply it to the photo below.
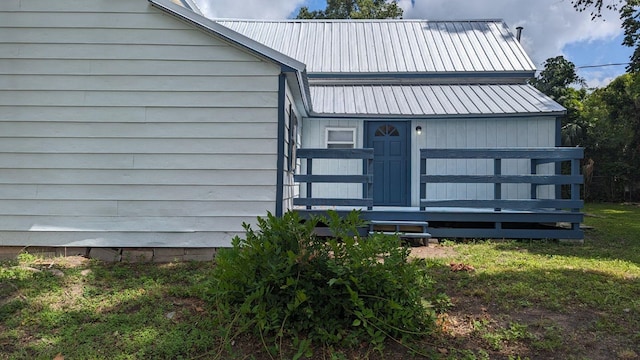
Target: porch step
<point x="407" y="235"/>
<point x="404" y="229"/>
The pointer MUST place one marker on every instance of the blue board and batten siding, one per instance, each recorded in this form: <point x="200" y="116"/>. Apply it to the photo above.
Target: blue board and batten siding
<point x="452" y="133"/>
<point x="122" y="126"/>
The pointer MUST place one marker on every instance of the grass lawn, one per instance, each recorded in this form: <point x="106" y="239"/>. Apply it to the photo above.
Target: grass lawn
<point x="525" y="299"/>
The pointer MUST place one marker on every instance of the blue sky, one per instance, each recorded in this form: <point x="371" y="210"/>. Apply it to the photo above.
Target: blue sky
<point x="588" y="53"/>
<point x="551" y="27"/>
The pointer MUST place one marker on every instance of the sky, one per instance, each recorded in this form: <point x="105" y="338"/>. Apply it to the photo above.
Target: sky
<point x="551" y="27"/>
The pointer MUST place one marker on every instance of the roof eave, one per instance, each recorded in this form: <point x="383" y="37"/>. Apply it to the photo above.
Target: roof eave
<point x="425" y="75"/>
<point x="435" y="116"/>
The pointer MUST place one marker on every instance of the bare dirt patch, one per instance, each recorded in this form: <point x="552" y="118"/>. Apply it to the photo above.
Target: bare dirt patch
<point x="66" y="262"/>
<point x="432" y="251"/>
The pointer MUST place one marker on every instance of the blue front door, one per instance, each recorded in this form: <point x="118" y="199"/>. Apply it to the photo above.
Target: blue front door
<point x="390" y="143"/>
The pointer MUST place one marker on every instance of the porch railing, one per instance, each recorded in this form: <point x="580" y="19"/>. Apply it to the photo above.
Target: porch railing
<point x="309" y="178"/>
<point x="536" y="156"/>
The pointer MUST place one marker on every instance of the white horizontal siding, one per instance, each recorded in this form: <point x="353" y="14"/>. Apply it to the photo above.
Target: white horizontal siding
<point x="138" y="161"/>
<point x="213" y="193"/>
<point x="140" y="131"/>
<point x="137" y="177"/>
<point x="157" y="84"/>
<point x="131" y="223"/>
<point x="122" y="126"/>
<point x="124" y="114"/>
<point x="72" y="6"/>
<point x="236" y="99"/>
<point x="135" y="145"/>
<point x="130" y="67"/>
<point x="129" y="208"/>
<point x="151" y="237"/>
<point x="29" y="51"/>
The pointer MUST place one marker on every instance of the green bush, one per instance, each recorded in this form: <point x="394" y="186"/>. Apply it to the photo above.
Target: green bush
<point x="285" y="282"/>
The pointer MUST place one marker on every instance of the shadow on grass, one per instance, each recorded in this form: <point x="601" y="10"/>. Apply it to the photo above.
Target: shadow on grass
<point x="139" y="311"/>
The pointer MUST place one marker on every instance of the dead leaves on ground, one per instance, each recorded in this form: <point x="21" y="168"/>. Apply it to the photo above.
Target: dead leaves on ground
<point x="461" y="267"/>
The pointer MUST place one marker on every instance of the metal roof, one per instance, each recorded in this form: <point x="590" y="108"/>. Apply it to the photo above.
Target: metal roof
<point x="430" y="100"/>
<point x="392" y="46"/>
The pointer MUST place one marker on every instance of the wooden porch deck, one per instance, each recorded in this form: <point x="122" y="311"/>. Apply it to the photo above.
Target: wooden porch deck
<point x="478" y="223"/>
<point x="529" y="218"/>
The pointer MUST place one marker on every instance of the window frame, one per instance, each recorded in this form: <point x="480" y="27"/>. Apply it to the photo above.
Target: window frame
<point x="328" y="143"/>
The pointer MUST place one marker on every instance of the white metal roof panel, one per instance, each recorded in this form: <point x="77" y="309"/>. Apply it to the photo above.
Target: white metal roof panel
<point x="391" y="46"/>
<point x="430" y="100"/>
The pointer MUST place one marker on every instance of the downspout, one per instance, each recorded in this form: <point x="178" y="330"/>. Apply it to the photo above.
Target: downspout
<point x="282" y="86"/>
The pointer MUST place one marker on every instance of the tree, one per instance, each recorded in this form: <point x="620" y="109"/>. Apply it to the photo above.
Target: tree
<point x="629" y="11"/>
<point x="555" y="80"/>
<point x="355" y="9"/>
<point x="614" y="137"/>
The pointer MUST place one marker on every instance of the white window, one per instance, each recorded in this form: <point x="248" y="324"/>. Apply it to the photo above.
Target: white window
<point x="340" y="138"/>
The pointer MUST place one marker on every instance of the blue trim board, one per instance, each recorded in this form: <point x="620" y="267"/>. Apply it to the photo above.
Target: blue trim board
<point x="395" y="117"/>
<point x="506" y="233"/>
<point x="559" y="165"/>
<point x="313" y="153"/>
<point x="499" y="225"/>
<point x="282" y="88"/>
<point x="549" y="153"/>
<point x="340" y="179"/>
<point x="425" y="75"/>
<point x="503" y="179"/>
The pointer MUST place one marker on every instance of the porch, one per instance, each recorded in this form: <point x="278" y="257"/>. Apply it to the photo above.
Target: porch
<point x="491" y="213"/>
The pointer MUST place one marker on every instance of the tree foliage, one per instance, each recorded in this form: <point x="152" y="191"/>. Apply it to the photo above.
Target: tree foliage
<point x="629" y="11"/>
<point x="354" y="9"/>
<point x="606" y="122"/>
<point x="614" y="132"/>
<point x="555" y="80"/>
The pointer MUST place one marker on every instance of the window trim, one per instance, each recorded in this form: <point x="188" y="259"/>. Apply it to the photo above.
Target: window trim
<point x="327" y="143"/>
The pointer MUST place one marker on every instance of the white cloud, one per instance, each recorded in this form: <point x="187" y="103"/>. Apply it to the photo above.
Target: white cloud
<point x="249" y="9"/>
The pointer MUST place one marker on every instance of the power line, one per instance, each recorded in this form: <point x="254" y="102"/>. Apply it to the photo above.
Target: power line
<point x="596" y="66"/>
<point x="600" y="65"/>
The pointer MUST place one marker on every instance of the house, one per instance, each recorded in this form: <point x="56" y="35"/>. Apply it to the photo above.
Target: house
<point x="143" y="124"/>
<point x="457" y="137"/>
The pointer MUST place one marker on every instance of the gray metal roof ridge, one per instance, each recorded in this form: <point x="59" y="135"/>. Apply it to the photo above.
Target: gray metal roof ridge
<point x="356" y="20"/>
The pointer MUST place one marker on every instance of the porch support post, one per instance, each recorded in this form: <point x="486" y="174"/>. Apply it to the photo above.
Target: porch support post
<point x="423" y="185"/>
<point x="534" y="171"/>
<point x="309" y="172"/>
<point x="368" y="168"/>
<point x="497" y="187"/>
<point x="575" y="188"/>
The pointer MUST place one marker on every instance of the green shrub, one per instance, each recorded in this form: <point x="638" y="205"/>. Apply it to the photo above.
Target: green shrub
<point x="286" y="282"/>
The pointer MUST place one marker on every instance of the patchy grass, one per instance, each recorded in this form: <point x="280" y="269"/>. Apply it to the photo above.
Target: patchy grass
<point x="525" y="299"/>
<point x="102" y="311"/>
<point x="537" y="299"/>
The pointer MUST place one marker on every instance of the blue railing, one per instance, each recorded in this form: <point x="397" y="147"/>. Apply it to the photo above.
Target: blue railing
<point x="309" y="178"/>
<point x="536" y="156"/>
